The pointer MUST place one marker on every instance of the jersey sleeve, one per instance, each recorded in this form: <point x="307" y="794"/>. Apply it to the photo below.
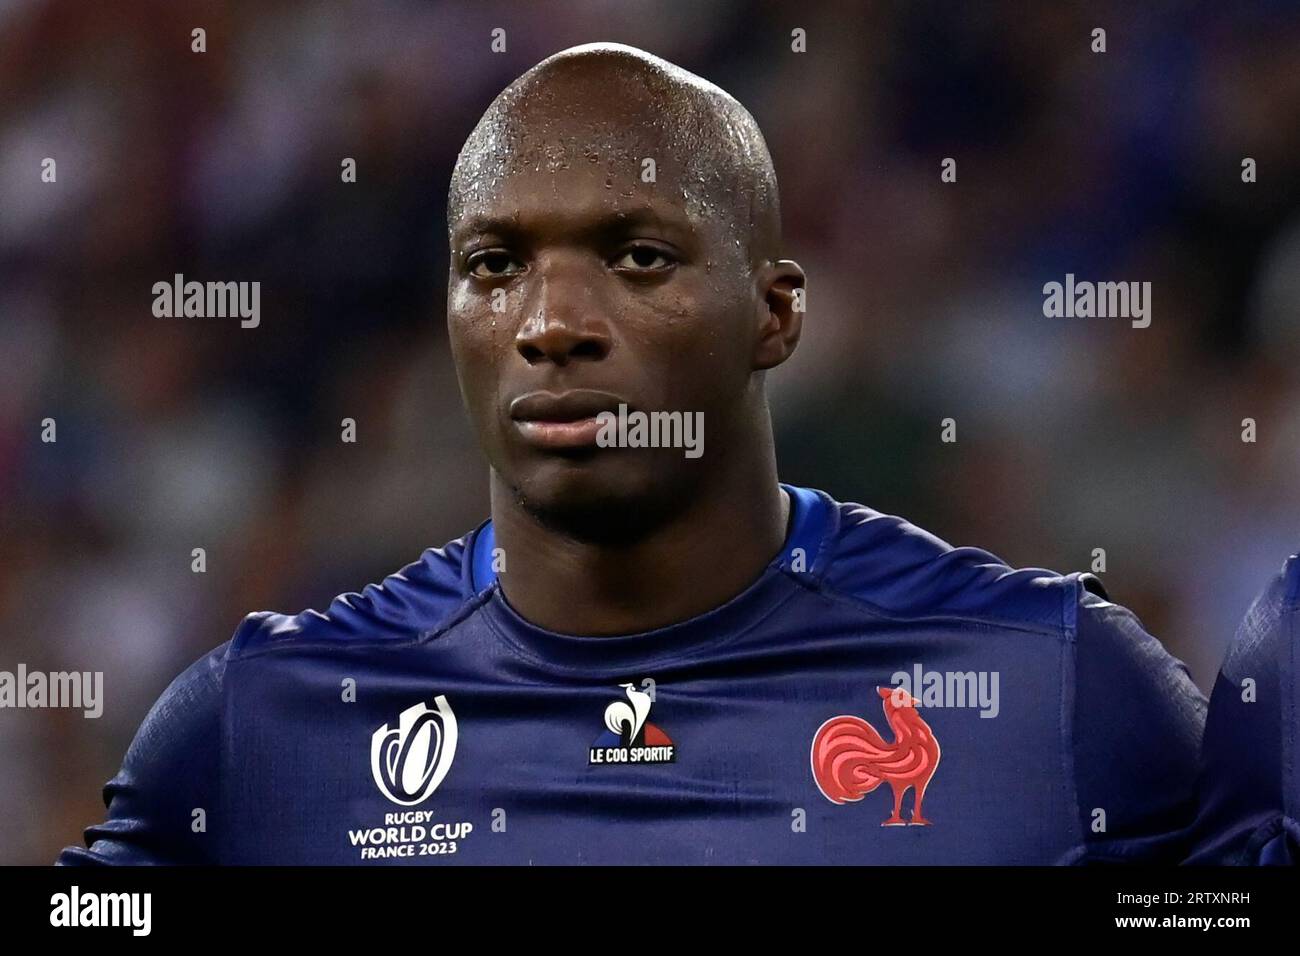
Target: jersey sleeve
<point x="171" y="770"/>
<point x="1138" y="720"/>
<point x="1249" y="811"/>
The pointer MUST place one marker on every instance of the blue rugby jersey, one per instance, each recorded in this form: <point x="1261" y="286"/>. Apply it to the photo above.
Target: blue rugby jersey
<point x="869" y="668"/>
<point x="1250" y="783"/>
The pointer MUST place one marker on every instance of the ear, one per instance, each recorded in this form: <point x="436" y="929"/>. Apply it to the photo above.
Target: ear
<point x="779" y="321"/>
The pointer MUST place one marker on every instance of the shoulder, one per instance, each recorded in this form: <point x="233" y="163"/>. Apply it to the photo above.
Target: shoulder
<point x="1249" y="799"/>
<point x="173" y="766"/>
<point x="898" y="568"/>
<point x="168" y="780"/>
<point x="419" y="599"/>
<point x="894" y="565"/>
<point x="1262" y="645"/>
<point x="1132" y="717"/>
<point x="902" y="570"/>
<point x="1136" y="724"/>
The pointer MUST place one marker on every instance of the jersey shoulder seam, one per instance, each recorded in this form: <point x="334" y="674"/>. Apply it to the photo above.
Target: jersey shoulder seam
<point x="1064" y="630"/>
<point x="257" y="623"/>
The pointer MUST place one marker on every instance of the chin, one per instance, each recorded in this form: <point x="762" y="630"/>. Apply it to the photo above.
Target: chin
<point x="600" y="498"/>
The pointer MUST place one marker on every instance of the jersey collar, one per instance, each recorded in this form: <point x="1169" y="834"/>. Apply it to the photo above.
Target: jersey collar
<point x="809" y="527"/>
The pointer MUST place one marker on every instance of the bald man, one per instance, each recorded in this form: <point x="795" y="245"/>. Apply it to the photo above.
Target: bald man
<point x="654" y="651"/>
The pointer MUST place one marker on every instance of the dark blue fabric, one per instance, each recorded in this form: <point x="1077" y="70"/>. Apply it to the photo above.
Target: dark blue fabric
<point x="1250" y="795"/>
<point x="1089" y="756"/>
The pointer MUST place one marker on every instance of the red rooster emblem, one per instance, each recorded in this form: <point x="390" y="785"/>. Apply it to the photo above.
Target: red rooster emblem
<point x="850" y="759"/>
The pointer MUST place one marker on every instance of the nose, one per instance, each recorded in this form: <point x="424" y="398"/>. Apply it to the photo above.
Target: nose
<point x="564" y="324"/>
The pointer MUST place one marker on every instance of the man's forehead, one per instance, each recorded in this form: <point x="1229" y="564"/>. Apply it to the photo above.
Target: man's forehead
<point x="571" y="181"/>
<point x="624" y="152"/>
<point x="603" y="133"/>
<point x="572" y="213"/>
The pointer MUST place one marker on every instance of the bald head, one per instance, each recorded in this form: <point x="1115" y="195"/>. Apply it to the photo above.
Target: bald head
<point x="614" y="236"/>
<point x="612" y="107"/>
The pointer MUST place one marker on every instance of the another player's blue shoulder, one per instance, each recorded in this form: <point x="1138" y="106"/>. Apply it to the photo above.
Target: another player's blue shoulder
<point x="1262" y="641"/>
<point x="413" y="602"/>
<point x="1250" y="783"/>
<point x="901" y="570"/>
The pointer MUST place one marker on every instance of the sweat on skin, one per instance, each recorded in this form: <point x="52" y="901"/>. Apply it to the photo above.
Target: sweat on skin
<point x="572" y="271"/>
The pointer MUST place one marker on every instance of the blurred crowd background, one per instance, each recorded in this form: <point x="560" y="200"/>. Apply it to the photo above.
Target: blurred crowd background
<point x="925" y="302"/>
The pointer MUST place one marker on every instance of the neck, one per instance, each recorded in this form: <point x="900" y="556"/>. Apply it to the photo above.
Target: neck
<point x="703" y="555"/>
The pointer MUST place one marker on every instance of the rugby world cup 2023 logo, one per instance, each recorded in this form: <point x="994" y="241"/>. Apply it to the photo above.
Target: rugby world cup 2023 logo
<point x="409" y="761"/>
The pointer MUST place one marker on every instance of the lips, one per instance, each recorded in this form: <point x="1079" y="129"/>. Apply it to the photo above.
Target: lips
<point x="564" y="419"/>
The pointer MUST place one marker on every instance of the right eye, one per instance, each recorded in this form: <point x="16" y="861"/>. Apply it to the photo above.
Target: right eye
<point x="493" y="264"/>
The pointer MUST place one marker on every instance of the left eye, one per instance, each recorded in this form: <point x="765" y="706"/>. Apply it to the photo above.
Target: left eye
<point x="643" y="259"/>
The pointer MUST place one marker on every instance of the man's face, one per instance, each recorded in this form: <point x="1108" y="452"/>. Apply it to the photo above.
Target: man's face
<point x="608" y="290"/>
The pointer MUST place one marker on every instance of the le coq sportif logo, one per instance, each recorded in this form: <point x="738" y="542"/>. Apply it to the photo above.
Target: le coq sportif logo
<point x="409" y="760"/>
